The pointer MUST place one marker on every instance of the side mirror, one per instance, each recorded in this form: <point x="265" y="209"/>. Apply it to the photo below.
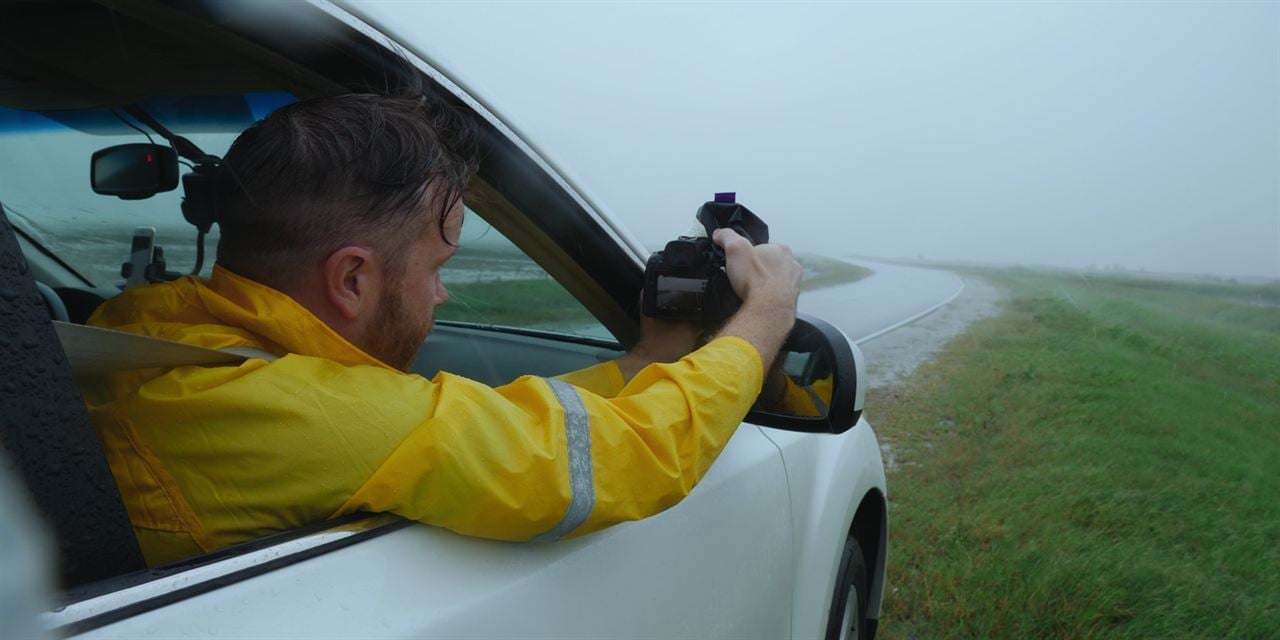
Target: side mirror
<point x="134" y="171"/>
<point x="817" y="384"/>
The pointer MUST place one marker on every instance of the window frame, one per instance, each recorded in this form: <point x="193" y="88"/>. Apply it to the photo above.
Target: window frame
<point x="591" y="256"/>
<point x="101" y="603"/>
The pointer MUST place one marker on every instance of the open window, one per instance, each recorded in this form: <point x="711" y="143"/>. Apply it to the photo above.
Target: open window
<point x="76" y="69"/>
<point x="506" y="315"/>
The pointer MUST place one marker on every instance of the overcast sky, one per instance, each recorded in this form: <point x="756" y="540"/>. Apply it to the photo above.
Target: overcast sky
<point x="1145" y="133"/>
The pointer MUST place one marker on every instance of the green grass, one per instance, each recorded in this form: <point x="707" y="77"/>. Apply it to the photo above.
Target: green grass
<point x="1100" y="460"/>
<point x="828" y="272"/>
<point x="520" y="303"/>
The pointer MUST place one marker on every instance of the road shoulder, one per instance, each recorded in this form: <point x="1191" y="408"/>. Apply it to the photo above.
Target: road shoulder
<point x="895" y="355"/>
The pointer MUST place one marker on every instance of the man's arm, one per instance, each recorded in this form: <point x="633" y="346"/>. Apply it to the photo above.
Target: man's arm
<point x="767" y="278"/>
<point x="541" y="459"/>
<point x="538" y="458"/>
<point x="660" y="341"/>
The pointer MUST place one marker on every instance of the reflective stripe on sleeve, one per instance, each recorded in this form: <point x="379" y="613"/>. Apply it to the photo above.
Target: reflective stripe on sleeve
<point x="577" y="429"/>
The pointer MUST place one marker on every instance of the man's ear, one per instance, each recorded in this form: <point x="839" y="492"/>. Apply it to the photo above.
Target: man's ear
<point x="352" y="281"/>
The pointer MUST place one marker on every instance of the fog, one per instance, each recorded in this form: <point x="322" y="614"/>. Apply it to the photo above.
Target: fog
<point x="1138" y="134"/>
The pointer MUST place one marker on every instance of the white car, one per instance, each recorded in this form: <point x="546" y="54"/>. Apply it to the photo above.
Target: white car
<point x="786" y="536"/>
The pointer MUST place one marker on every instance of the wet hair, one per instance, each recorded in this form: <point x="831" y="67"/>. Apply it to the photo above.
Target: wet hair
<point x="324" y="173"/>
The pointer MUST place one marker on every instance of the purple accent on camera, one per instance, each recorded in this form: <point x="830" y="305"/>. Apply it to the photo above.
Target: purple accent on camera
<point x="728" y="196"/>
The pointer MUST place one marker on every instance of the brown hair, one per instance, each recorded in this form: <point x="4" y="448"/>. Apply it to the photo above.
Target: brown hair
<point x="324" y="173"/>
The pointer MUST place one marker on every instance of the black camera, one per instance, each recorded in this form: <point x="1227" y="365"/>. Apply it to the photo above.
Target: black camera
<point x="686" y="280"/>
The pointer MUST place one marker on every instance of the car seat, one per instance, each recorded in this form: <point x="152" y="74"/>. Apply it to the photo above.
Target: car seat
<point x="47" y="434"/>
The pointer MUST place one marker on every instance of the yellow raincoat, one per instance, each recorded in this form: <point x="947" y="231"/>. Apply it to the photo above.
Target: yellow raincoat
<point x="206" y="456"/>
<point x="797" y="400"/>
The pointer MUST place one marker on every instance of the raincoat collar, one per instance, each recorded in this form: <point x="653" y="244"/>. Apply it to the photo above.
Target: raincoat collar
<point x="237" y="301"/>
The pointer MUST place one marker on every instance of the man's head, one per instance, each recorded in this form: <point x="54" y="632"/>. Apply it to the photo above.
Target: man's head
<point x="350" y="204"/>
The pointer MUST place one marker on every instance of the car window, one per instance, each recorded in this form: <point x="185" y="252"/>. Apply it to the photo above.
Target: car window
<point x="46" y="193"/>
<point x="492" y="282"/>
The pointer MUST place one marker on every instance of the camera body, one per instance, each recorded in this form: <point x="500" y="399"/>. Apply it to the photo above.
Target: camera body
<point x="686" y="280"/>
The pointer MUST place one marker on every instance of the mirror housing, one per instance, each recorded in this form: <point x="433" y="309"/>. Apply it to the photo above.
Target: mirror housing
<point x="821" y="367"/>
<point x="134" y="171"/>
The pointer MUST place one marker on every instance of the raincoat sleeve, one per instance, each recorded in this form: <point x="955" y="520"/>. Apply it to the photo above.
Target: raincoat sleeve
<point x="604" y="379"/>
<point x="540" y="459"/>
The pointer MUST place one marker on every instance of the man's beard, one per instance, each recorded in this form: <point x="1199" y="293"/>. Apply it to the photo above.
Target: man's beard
<point x="394" y="337"/>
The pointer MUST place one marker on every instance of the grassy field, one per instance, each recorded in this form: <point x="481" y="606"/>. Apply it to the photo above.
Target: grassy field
<point x="823" y="272"/>
<point x="520" y="303"/>
<point x="1101" y="460"/>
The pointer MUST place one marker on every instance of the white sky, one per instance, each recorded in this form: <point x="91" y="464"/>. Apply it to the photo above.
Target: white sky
<point x="1142" y="133"/>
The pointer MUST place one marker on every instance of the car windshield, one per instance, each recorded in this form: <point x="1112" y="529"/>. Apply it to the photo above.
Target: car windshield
<point x="46" y="191"/>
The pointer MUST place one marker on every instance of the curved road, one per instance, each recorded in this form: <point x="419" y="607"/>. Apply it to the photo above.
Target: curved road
<point x="889" y="298"/>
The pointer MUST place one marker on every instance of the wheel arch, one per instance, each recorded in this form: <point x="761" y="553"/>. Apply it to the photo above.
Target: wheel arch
<point x="870" y="528"/>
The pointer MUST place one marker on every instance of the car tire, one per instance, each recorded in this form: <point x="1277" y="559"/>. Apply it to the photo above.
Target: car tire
<point x="847" y="619"/>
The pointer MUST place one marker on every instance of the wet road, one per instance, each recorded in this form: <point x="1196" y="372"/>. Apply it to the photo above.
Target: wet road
<point x="891" y="297"/>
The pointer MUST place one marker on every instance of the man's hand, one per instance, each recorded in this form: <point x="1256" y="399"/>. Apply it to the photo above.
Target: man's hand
<point x="767" y="278"/>
<point x="660" y="341"/>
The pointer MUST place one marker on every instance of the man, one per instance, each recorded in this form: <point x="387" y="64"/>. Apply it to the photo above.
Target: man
<point x="336" y="217"/>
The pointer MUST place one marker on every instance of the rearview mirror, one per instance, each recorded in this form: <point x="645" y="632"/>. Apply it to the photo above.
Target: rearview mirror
<point x="134" y="171"/>
<point x="816" y="384"/>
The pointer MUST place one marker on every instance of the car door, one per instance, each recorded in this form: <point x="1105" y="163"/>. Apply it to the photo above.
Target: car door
<point x="717" y="564"/>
